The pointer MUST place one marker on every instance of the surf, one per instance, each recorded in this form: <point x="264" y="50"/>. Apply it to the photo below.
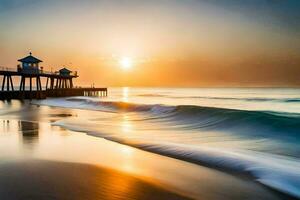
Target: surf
<point x="264" y="130"/>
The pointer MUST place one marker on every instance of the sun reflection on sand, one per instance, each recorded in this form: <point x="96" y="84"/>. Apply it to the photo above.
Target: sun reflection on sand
<point x="126" y="151"/>
<point x="127" y="159"/>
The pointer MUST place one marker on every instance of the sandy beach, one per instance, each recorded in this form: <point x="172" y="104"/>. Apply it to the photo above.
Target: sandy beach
<point x="39" y="160"/>
<point x="37" y="179"/>
<point x="149" y="99"/>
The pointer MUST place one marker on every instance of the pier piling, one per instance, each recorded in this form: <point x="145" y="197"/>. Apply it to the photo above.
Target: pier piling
<point x="60" y="82"/>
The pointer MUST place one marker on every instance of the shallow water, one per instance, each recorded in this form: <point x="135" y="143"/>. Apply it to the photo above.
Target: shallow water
<point x="27" y="134"/>
<point x="251" y="131"/>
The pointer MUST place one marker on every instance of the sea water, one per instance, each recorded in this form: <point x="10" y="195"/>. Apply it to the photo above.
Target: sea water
<point x="254" y="131"/>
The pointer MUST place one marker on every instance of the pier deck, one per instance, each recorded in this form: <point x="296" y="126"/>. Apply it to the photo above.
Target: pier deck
<point x="6" y="95"/>
<point x="58" y="83"/>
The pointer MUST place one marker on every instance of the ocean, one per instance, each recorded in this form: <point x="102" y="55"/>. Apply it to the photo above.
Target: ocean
<point x="249" y="131"/>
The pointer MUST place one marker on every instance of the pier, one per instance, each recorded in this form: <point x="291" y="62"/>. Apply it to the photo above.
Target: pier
<point x="57" y="84"/>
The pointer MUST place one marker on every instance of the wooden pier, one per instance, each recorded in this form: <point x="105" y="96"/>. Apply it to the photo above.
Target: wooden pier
<point x="43" y="94"/>
<point x="58" y="84"/>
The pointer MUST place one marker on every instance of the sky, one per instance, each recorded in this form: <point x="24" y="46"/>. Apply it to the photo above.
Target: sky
<point x="167" y="43"/>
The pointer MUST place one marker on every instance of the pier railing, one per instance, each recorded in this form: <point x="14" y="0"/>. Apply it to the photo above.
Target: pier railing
<point x="56" y="73"/>
<point x="39" y="71"/>
<point x="8" y="69"/>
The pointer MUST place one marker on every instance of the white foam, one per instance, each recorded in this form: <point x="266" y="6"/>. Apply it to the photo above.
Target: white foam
<point x="278" y="172"/>
<point x="87" y="103"/>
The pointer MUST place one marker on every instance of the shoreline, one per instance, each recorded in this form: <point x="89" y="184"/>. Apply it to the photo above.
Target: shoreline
<point x="238" y="174"/>
<point x="29" y="126"/>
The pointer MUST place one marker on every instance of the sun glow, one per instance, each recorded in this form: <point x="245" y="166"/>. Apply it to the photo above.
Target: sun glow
<point x="126" y="63"/>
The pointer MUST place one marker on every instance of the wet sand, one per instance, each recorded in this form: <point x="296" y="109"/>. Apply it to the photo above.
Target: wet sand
<point x="41" y="161"/>
<point x="37" y="179"/>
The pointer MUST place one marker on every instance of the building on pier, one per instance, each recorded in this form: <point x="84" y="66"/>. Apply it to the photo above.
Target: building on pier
<point x="64" y="72"/>
<point x="58" y="84"/>
<point x="29" y="65"/>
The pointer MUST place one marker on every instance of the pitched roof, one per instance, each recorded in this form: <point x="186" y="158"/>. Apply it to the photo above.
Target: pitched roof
<point x="30" y="59"/>
<point x="64" y="70"/>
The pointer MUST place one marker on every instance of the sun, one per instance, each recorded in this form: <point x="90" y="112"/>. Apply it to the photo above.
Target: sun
<point x="126" y="63"/>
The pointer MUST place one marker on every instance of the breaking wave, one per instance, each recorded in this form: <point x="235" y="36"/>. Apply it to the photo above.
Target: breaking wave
<point x="259" y="99"/>
<point x="280" y="172"/>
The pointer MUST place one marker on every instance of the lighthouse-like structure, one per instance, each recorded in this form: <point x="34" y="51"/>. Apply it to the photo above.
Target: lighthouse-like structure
<point x="30" y="68"/>
<point x="29" y="65"/>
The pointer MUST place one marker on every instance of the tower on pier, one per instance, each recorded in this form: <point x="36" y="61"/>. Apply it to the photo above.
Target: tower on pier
<point x="29" y="64"/>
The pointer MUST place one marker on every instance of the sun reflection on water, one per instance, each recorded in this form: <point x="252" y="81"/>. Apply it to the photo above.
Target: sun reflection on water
<point x="125" y="94"/>
<point x="126" y="124"/>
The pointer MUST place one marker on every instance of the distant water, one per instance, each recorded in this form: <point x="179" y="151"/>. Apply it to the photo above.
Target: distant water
<point x="250" y="131"/>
